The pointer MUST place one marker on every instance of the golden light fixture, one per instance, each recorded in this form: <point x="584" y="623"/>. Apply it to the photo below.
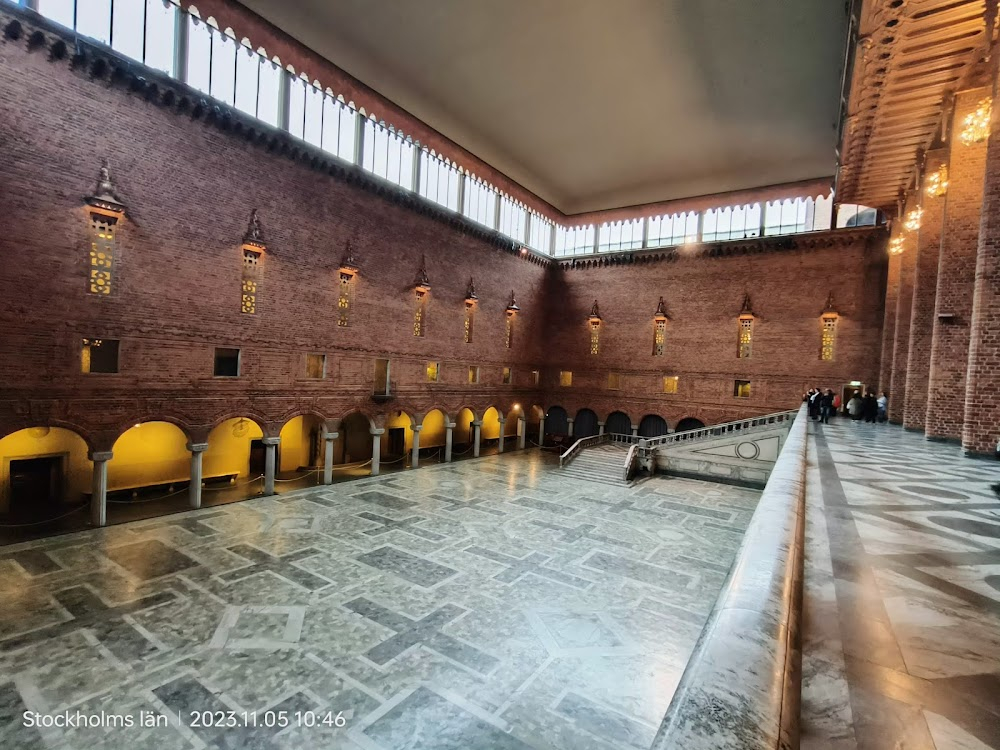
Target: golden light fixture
<point x="422" y="285"/>
<point x="896" y="245"/>
<point x="595" y="316"/>
<point x="976" y="126"/>
<point x="349" y="265"/>
<point x="912" y="222"/>
<point x="661" y="312"/>
<point x="937" y="182"/>
<point x="470" y="294"/>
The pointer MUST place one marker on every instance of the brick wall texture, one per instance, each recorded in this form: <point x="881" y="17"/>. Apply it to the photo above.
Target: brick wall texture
<point x="190" y="186"/>
<point x="956" y="274"/>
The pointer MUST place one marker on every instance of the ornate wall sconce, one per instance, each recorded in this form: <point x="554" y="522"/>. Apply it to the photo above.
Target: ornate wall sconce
<point x="594" y="320"/>
<point x="105" y="210"/>
<point x="896" y="246"/>
<point x="659" y="329"/>
<point x="421" y="288"/>
<point x="829" y="330"/>
<point x="253" y="249"/>
<point x="105" y="199"/>
<point x="744" y="345"/>
<point x="512" y="310"/>
<point x="937" y="182"/>
<point x="348" y="270"/>
<point x="471" y="299"/>
<point x="976" y="126"/>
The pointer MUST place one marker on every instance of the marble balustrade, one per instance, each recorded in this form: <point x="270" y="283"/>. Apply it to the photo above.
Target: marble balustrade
<point x="742" y="685"/>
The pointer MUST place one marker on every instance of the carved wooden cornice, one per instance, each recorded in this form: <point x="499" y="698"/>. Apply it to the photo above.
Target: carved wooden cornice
<point x="909" y="59"/>
<point x="102" y="64"/>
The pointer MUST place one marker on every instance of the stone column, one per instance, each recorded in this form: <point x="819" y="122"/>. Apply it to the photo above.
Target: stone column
<point x="448" y="438"/>
<point x="600" y="428"/>
<point x="99" y="488"/>
<point x="889" y="316"/>
<point x="904" y="310"/>
<point x="569" y="426"/>
<point x="194" y="488"/>
<point x="477" y="426"/>
<point x="503" y="426"/>
<point x="928" y="255"/>
<point x="328" y="438"/>
<point x="541" y="432"/>
<point x="415" y="461"/>
<point x="635" y="430"/>
<point x="981" y="428"/>
<point x="522" y="429"/>
<point x="270" y="461"/>
<point x="376" y="434"/>
<point x="946" y="391"/>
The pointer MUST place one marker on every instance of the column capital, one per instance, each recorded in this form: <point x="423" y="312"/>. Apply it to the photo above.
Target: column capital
<point x="100" y="455"/>
<point x="271" y="441"/>
<point x="450" y="425"/>
<point x="477" y="422"/>
<point x="373" y="431"/>
<point x="417" y="427"/>
<point x="331" y="435"/>
<point x="197" y="447"/>
<point x="569" y="419"/>
<point x="600" y="423"/>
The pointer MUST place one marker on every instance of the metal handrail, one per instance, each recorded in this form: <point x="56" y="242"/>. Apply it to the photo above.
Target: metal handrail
<point x="580" y="445"/>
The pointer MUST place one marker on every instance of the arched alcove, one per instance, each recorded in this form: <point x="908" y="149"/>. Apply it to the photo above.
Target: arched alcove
<point x="689" y="423"/>
<point x="653" y="425"/>
<point x="585" y="424"/>
<point x="42" y="470"/>
<point x="618" y="423"/>
<point x="149" y="456"/>
<point x="556" y="421"/>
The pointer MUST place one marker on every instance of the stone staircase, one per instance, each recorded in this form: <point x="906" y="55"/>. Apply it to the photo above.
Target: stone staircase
<point x="604" y="463"/>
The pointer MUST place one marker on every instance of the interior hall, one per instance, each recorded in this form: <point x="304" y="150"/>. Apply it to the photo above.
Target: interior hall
<point x="577" y="375"/>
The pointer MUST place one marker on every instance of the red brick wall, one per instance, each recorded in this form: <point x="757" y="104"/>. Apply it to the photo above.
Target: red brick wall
<point x="927" y="250"/>
<point x="889" y="319"/>
<point x="901" y="332"/>
<point x="981" y="429"/>
<point x="189" y="190"/>
<point x="703" y="296"/>
<point x="190" y="187"/>
<point x="956" y="276"/>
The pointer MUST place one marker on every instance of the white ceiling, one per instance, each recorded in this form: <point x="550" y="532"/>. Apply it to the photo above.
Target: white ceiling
<point x="595" y="104"/>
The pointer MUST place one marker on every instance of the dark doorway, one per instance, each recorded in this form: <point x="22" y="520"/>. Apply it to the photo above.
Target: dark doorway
<point x="397" y="441"/>
<point x="619" y="423"/>
<point x="848" y="393"/>
<point x="585" y="424"/>
<point x="556" y="421"/>
<point x="652" y="425"/>
<point x="315" y="446"/>
<point x="35" y="487"/>
<point x="689" y="423"/>
<point x="258" y="458"/>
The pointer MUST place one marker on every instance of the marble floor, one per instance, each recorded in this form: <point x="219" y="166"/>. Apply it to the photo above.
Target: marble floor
<point x="487" y="604"/>
<point x="902" y="604"/>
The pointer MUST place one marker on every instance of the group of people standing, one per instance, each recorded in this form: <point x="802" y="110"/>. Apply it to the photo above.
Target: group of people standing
<point x="825" y="403"/>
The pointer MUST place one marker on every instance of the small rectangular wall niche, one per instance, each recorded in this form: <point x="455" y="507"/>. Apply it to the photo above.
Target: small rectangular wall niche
<point x="227" y="363"/>
<point x="507" y="376"/>
<point x="741" y="389"/>
<point x="433" y="372"/>
<point x="99" y="356"/>
<point x="101" y="274"/>
<point x="473" y="374"/>
<point x="670" y="383"/>
<point x="316" y="366"/>
<point x="614" y="381"/>
<point x="250" y="281"/>
<point x="565" y="378"/>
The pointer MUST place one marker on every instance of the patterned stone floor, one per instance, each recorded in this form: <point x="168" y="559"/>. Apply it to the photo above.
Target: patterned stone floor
<point x="902" y="606"/>
<point x="488" y="604"/>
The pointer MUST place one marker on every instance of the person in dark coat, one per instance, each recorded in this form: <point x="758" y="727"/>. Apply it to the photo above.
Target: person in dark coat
<point x="871" y="408"/>
<point x="826" y="406"/>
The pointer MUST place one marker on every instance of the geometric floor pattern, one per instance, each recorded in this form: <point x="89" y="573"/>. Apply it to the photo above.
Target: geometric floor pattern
<point x="493" y="603"/>
<point x="902" y="609"/>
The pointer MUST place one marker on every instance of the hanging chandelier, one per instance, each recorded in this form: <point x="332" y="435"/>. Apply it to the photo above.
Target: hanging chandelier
<point x="976" y="126"/>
